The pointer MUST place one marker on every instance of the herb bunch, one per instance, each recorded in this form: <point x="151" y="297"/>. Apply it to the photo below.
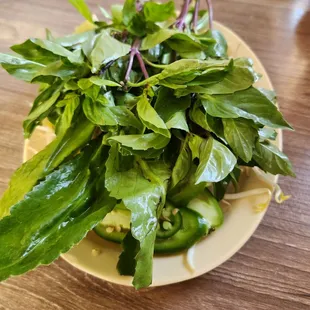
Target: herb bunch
<point x="147" y="107"/>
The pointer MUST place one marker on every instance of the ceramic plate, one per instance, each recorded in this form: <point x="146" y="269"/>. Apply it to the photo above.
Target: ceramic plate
<point x="240" y="219"/>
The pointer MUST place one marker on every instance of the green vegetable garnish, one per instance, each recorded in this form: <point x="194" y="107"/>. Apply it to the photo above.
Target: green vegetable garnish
<point x="148" y="111"/>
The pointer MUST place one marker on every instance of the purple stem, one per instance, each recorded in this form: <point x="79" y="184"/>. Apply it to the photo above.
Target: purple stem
<point x="139" y="6"/>
<point x="130" y="63"/>
<point x="181" y="20"/>
<point x="195" y="18"/>
<point x="142" y="65"/>
<point x="135" y="53"/>
<point x="210" y="11"/>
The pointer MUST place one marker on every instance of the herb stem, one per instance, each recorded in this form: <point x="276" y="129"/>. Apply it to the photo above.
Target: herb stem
<point x="210" y="11"/>
<point x="195" y="17"/>
<point x="136" y="53"/>
<point x="142" y="65"/>
<point x="181" y="20"/>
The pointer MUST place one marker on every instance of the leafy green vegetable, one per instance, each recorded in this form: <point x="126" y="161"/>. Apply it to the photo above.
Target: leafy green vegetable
<point x="107" y="49"/>
<point x="158" y="12"/>
<point x="241" y="136"/>
<point x="82" y="7"/>
<point x="22" y="69"/>
<point x="271" y="159"/>
<point x="150" y="118"/>
<point x="147" y="109"/>
<point x="215" y="162"/>
<point x="25" y="178"/>
<point x="249" y="103"/>
<point x="142" y="142"/>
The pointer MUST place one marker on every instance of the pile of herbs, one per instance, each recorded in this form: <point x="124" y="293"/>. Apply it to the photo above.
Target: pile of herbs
<point x="145" y="104"/>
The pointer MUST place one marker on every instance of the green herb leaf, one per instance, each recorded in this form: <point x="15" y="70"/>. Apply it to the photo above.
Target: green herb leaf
<point x="34" y="52"/>
<point x="142" y="142"/>
<point x="150" y="118"/>
<point x="20" y="68"/>
<point x="183" y="164"/>
<point x="41" y="108"/>
<point x="34" y="234"/>
<point x="65" y="120"/>
<point x="249" y="103"/>
<point x="158" y="12"/>
<point x="129" y="11"/>
<point x="240" y="136"/>
<point x="74" y="138"/>
<point x="216" y="162"/>
<point x="142" y="198"/>
<point x="167" y="105"/>
<point x="107" y="49"/>
<point x="82" y="7"/>
<point x="24" y="178"/>
<point x="272" y="160"/>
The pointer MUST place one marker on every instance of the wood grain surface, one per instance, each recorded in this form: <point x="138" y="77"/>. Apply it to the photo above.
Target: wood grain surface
<point x="272" y="271"/>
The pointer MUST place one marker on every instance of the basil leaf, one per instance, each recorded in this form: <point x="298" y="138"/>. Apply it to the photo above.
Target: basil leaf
<point x="41" y="108"/>
<point x="129" y="11"/>
<point x="150" y="118"/>
<point x="241" y="137"/>
<point x="24" y="178"/>
<point x="218" y="48"/>
<point x="235" y="80"/>
<point x="65" y="71"/>
<point x="65" y="120"/>
<point x="38" y="48"/>
<point x="272" y="160"/>
<point x="195" y="142"/>
<point x="158" y="12"/>
<point x="107" y="49"/>
<point x="74" y="39"/>
<point x="156" y="38"/>
<point x="142" y="142"/>
<point x="109" y="116"/>
<point x="82" y="7"/>
<point x="167" y="105"/>
<point x="206" y="121"/>
<point x="249" y="103"/>
<point x="34" y="52"/>
<point x="183" y="164"/>
<point x="178" y="121"/>
<point x="215" y="162"/>
<point x="186" y="190"/>
<point x="20" y="68"/>
<point x="117" y="13"/>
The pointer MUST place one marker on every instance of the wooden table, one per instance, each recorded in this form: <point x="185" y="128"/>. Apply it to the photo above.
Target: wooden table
<point x="272" y="271"/>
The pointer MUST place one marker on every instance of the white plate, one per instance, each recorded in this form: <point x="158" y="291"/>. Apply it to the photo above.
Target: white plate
<point x="240" y="220"/>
